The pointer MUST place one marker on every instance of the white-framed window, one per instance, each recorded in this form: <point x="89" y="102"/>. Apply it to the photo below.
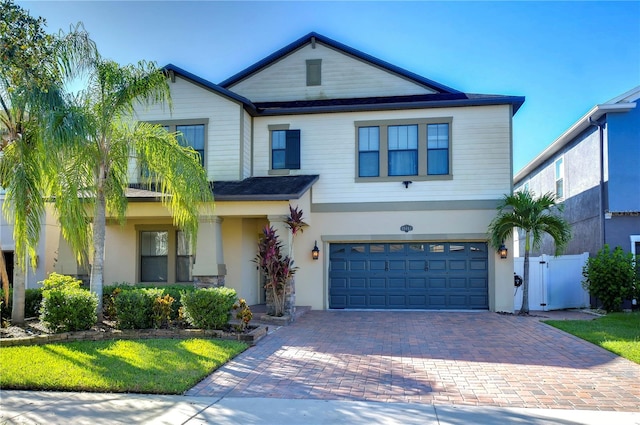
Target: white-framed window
<point x="635" y="244"/>
<point x="314" y="72"/>
<point x="559" y="177"/>
<point x="393" y="150"/>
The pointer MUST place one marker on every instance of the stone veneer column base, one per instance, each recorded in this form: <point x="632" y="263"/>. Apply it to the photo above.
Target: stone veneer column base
<point x="201" y="282"/>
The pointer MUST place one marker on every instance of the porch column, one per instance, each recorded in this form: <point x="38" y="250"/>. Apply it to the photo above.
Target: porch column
<point x="209" y="269"/>
<point x="284" y="235"/>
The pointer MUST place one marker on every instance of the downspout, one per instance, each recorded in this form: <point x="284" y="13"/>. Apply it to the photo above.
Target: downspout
<point x="601" y="124"/>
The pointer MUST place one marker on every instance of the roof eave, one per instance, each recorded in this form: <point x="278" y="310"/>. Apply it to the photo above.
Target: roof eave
<point x="516" y="101"/>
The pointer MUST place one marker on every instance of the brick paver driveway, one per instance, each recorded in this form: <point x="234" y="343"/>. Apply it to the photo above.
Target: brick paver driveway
<point x="477" y="358"/>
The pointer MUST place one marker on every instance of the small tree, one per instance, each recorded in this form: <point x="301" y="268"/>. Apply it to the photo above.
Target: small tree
<point x="611" y="277"/>
<point x="535" y="217"/>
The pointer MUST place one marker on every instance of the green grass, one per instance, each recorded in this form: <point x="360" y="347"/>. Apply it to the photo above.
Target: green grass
<point x="616" y="332"/>
<point x="159" y="366"/>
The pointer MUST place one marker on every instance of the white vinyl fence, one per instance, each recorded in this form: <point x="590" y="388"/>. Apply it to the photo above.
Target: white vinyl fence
<point x="555" y="283"/>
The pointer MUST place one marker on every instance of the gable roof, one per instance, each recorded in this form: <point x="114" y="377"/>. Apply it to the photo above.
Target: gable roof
<point x="444" y="96"/>
<point x="314" y="37"/>
<point x="171" y="68"/>
<point x="623" y="103"/>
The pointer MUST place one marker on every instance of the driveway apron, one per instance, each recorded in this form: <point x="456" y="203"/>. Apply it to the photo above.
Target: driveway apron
<point x="459" y="358"/>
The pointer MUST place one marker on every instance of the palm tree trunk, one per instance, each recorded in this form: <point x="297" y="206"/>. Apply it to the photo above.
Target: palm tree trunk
<point x="99" y="228"/>
<point x="19" y="285"/>
<point x="525" y="281"/>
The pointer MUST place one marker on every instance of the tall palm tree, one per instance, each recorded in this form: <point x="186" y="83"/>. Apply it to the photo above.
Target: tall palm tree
<point x="103" y="141"/>
<point x="33" y="65"/>
<point x="535" y="217"/>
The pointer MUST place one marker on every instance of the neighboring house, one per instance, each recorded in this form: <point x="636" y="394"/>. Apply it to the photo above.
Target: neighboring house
<point x="593" y="168"/>
<point x="398" y="178"/>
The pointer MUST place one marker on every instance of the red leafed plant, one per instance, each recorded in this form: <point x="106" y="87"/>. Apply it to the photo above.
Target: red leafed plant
<point x="277" y="267"/>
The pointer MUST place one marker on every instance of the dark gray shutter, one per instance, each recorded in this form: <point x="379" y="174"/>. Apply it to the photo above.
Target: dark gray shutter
<point x="292" y="154"/>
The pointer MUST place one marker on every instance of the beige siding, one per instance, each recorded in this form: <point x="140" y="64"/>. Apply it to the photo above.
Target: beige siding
<point x="480" y="149"/>
<point x="246" y="145"/>
<point x="342" y="77"/>
<point x="223" y="137"/>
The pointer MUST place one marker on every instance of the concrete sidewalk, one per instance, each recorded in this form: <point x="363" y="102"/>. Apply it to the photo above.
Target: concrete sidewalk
<point x="30" y="407"/>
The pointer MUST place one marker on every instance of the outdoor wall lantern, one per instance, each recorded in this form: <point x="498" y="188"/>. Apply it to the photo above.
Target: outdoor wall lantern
<point x="502" y="251"/>
<point x="315" y="252"/>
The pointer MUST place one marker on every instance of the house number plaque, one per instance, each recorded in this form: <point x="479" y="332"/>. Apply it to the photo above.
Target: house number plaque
<point x="406" y="228"/>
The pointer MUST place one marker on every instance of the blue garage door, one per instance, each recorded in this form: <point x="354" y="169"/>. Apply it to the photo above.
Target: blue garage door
<point x="416" y="275"/>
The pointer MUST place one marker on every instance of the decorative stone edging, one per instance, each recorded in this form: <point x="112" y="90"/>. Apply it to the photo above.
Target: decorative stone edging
<point x="250" y="338"/>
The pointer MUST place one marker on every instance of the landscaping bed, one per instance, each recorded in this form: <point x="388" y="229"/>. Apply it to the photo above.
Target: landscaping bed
<point x="34" y="332"/>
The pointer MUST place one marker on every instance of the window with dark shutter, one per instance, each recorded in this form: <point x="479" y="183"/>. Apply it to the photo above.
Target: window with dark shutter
<point x="285" y="149"/>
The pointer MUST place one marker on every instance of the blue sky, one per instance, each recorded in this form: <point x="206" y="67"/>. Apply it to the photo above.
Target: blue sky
<point x="564" y="57"/>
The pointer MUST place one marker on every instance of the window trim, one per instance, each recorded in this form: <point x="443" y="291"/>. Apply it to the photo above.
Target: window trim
<point x="422" y="149"/>
<point x="172" y="124"/>
<point x="171" y="254"/>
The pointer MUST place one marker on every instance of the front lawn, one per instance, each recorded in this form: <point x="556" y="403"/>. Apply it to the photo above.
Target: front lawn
<point x="616" y="332"/>
<point x="159" y="366"/>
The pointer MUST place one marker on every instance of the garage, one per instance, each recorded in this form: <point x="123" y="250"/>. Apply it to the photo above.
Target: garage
<point x="413" y="275"/>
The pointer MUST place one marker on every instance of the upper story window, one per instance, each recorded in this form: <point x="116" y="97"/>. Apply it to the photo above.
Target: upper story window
<point x="403" y="150"/>
<point x="191" y="133"/>
<point x="395" y="149"/>
<point x="193" y="136"/>
<point x="285" y="148"/>
<point x="438" y="149"/>
<point x="369" y="151"/>
<point x="314" y="72"/>
<point x="559" y="177"/>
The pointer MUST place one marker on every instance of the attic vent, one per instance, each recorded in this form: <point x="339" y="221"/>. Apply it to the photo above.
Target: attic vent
<point x="172" y="76"/>
<point x="313" y="42"/>
<point x="314" y="72"/>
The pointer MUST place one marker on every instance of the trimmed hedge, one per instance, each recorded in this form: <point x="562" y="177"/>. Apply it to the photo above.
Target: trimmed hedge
<point x="134" y="309"/>
<point x="66" y="306"/>
<point x="208" y="308"/>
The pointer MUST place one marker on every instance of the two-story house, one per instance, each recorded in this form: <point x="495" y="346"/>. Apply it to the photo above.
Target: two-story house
<point x="398" y="178"/>
<point x="592" y="168"/>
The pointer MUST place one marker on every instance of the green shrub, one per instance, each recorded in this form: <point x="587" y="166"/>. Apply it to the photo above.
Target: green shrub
<point x="611" y="277"/>
<point x="134" y="308"/>
<point x="66" y="306"/>
<point x="208" y="308"/>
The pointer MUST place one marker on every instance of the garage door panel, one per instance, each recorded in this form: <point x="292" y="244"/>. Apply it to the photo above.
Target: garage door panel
<point x="416" y="275"/>
<point x="417" y="283"/>
<point x="457" y="265"/>
<point x="377" y="301"/>
<point x="377" y="265"/>
<point x="437" y="283"/>
<point x="458" y="283"/>
<point x="358" y="283"/>
<point x="437" y="265"/>
<point x="478" y="283"/>
<point x="377" y="283"/>
<point x="478" y="264"/>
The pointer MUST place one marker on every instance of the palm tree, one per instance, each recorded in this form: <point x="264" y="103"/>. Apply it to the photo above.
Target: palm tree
<point x="103" y="141"/>
<point x="535" y="218"/>
<point x="32" y="67"/>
